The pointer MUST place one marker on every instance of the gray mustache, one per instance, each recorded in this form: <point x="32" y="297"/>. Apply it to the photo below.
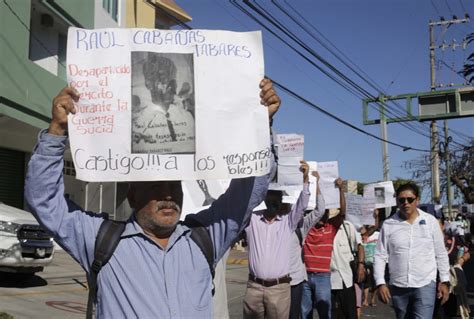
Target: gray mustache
<point x="167" y="204"/>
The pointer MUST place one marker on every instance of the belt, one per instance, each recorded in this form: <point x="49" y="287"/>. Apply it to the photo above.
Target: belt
<point x="270" y="282"/>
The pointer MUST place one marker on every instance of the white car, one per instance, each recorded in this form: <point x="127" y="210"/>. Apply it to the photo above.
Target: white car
<point x="25" y="246"/>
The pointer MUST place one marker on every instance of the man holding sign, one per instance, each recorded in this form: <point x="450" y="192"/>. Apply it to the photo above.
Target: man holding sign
<point x="269" y="236"/>
<point x="157" y="271"/>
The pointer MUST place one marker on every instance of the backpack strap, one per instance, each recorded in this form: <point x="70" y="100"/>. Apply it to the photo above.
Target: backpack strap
<point x="201" y="237"/>
<point x="106" y="242"/>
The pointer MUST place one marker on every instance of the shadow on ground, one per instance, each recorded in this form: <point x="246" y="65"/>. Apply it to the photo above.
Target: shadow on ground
<point x="12" y="280"/>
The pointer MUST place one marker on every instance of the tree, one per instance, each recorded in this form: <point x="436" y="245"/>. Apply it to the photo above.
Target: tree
<point x="462" y="178"/>
<point x="468" y="70"/>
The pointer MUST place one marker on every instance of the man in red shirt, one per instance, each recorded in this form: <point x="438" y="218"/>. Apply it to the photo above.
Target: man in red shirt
<point x="318" y="247"/>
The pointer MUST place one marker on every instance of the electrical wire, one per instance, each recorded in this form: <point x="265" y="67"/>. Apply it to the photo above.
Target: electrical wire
<point x="365" y="93"/>
<point x="266" y="15"/>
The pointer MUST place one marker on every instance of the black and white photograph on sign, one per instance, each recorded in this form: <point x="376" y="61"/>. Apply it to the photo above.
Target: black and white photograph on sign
<point x="379" y="195"/>
<point x="163" y="117"/>
<point x="208" y="199"/>
<point x="204" y="192"/>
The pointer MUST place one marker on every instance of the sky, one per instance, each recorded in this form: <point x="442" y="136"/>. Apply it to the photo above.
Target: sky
<point x="388" y="40"/>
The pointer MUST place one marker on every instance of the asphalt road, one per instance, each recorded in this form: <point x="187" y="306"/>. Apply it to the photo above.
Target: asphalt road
<point x="61" y="292"/>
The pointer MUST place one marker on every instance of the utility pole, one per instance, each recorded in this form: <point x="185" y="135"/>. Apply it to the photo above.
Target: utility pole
<point x="448" y="169"/>
<point x="435" y="192"/>
<point x="383" y="131"/>
<point x="434" y="128"/>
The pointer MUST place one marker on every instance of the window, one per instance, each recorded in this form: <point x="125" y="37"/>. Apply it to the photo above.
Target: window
<point x="48" y="40"/>
<point x="69" y="169"/>
<point x="111" y="6"/>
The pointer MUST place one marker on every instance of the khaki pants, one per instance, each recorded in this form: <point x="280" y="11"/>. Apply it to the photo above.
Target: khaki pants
<point x="267" y="302"/>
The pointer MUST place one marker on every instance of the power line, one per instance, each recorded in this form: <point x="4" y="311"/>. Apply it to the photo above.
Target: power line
<point x="293" y="94"/>
<point x="462" y="6"/>
<point x="435" y="7"/>
<point x="370" y="81"/>
<point x="272" y="20"/>
<point x="373" y="84"/>
<point x="449" y="7"/>
<point x="334" y="117"/>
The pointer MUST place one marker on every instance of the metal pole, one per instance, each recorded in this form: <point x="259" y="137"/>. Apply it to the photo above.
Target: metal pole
<point x="86" y="196"/>
<point x="435" y="193"/>
<point x="101" y="189"/>
<point x="448" y="169"/>
<point x="383" y="128"/>
<point x="434" y="129"/>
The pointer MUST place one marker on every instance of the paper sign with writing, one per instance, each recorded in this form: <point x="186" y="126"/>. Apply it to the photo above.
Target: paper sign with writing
<point x="382" y="192"/>
<point x="290" y="150"/>
<point x="329" y="172"/>
<point x="357" y="212"/>
<point x="290" y="145"/>
<point x="167" y="104"/>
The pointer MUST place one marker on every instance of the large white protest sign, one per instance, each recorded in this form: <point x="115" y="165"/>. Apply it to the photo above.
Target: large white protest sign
<point x="200" y="194"/>
<point x="382" y="192"/>
<point x="167" y="104"/>
<point x="357" y="210"/>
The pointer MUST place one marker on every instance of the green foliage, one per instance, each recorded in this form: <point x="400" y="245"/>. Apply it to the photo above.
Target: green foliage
<point x="468" y="70"/>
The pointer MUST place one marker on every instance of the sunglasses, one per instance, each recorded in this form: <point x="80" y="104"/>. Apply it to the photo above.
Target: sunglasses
<point x="403" y="200"/>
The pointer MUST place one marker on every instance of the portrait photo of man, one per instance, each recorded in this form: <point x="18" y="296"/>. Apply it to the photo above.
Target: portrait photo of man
<point x="163" y="113"/>
<point x="379" y="195"/>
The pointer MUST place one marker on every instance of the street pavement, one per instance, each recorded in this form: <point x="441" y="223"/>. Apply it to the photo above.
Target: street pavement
<point x="237" y="274"/>
<point x="61" y="291"/>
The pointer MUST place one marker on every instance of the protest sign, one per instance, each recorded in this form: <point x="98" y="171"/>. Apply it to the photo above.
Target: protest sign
<point x="290" y="150"/>
<point x="329" y="172"/>
<point x="359" y="211"/>
<point x="200" y="194"/>
<point x="167" y="104"/>
<point x="383" y="193"/>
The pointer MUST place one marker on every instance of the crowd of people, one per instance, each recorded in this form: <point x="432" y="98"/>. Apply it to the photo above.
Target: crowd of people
<point x="300" y="260"/>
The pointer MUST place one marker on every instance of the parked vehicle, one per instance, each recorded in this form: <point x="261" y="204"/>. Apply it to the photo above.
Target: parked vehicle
<point x="25" y="246"/>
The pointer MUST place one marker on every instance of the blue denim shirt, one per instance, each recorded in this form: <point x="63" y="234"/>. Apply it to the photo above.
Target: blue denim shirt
<point x="141" y="280"/>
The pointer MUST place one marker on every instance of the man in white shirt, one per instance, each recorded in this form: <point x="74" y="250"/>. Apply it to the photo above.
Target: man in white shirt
<point x="412" y="244"/>
<point x="346" y="243"/>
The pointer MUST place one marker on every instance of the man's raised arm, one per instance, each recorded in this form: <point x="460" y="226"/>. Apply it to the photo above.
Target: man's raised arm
<point x="44" y="186"/>
<point x="315" y="216"/>
<point x="298" y="209"/>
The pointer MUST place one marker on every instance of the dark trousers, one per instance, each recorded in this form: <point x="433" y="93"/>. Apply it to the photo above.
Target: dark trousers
<point x="344" y="303"/>
<point x="296" y="296"/>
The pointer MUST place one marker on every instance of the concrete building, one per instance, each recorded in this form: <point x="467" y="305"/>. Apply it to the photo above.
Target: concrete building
<point x="33" y="38"/>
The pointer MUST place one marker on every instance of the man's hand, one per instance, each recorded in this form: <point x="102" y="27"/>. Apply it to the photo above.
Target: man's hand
<point x="269" y="98"/>
<point x="443" y="292"/>
<point x="63" y="104"/>
<point x="384" y="293"/>
<point x="304" y="168"/>
<point x="339" y="182"/>
<point x="360" y="273"/>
